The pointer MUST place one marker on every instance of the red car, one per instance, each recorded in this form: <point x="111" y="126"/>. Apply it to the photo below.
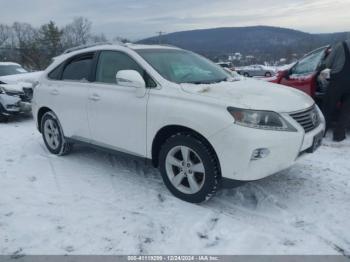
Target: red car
<point x="304" y="74"/>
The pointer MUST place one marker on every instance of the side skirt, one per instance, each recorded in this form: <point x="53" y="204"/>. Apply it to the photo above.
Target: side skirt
<point x="111" y="151"/>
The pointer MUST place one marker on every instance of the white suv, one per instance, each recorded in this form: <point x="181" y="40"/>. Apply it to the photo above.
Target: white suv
<point x="201" y="127"/>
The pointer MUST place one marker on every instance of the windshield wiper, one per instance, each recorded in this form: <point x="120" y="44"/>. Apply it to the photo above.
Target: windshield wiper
<point x="206" y="82"/>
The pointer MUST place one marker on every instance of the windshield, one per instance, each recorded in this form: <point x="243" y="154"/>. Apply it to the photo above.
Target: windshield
<point x="182" y="66"/>
<point x="6" y="70"/>
<point x="309" y="64"/>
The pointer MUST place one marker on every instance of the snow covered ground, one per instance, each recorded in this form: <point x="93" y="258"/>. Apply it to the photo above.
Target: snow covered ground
<point x="91" y="202"/>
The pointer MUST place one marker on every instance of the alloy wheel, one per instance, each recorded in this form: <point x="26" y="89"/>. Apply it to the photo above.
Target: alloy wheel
<point x="52" y="134"/>
<point x="185" y="169"/>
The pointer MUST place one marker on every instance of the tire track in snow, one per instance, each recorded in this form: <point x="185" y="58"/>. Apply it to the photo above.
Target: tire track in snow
<point x="137" y="176"/>
<point x="52" y="167"/>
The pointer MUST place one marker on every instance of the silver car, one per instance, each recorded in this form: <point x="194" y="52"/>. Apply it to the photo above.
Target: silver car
<point x="256" y="70"/>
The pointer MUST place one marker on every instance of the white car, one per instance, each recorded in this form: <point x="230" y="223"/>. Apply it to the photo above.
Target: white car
<point x="256" y="70"/>
<point x="10" y="68"/>
<point x="179" y="110"/>
<point x="16" y="92"/>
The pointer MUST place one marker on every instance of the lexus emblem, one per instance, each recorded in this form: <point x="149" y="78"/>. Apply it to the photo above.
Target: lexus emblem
<point x="314" y="118"/>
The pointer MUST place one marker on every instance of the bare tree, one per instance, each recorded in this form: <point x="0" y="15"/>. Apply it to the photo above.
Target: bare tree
<point x="121" y="39"/>
<point x="26" y="41"/>
<point x="77" y="33"/>
<point x="5" y="33"/>
<point x="98" y="38"/>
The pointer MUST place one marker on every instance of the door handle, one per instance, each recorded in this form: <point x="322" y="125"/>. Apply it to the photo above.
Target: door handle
<point x="54" y="92"/>
<point x="95" y="97"/>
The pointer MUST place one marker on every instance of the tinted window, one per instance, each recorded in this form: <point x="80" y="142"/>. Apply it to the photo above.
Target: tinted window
<point x="111" y="62"/>
<point x="78" y="69"/>
<point x="56" y="73"/>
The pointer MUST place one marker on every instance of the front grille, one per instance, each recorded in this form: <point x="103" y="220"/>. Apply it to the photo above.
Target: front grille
<point x="308" y="119"/>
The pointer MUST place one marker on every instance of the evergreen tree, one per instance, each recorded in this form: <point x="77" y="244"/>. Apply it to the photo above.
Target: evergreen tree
<point x="50" y="37"/>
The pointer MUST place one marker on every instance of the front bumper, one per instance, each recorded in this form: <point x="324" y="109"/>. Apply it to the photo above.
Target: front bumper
<point x="235" y="146"/>
<point x="12" y="105"/>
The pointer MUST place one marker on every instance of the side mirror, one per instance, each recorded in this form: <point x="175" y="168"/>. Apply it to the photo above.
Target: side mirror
<point x="132" y="78"/>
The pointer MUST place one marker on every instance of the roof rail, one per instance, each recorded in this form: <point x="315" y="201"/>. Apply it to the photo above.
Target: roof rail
<point x="168" y="45"/>
<point x="87" y="46"/>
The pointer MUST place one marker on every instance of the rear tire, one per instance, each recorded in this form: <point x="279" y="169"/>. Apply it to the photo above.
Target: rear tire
<point x="246" y="74"/>
<point x="189" y="168"/>
<point x="53" y="135"/>
<point x="268" y="74"/>
<point x="3" y="119"/>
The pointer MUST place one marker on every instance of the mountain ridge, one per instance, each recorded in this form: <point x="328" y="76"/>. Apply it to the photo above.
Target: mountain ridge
<point x="267" y="42"/>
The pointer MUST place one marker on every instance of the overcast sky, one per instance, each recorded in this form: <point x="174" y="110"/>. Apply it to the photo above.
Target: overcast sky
<point x="137" y="19"/>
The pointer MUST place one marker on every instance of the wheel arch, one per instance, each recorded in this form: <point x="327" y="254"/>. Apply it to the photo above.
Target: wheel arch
<point x="166" y="132"/>
<point x="41" y="112"/>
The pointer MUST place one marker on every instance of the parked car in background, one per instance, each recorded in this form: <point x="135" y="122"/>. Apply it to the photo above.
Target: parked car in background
<point x="177" y="109"/>
<point x="304" y="75"/>
<point x="16" y="93"/>
<point x="235" y="76"/>
<point x="256" y="70"/>
<point x="13" y="101"/>
<point x="10" y="68"/>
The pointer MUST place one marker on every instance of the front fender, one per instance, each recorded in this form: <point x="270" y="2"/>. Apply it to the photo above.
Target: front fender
<point x="204" y="118"/>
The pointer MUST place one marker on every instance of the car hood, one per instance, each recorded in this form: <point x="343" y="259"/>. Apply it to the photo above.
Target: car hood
<point x="253" y="94"/>
<point x="25" y="77"/>
<point x="13" y="87"/>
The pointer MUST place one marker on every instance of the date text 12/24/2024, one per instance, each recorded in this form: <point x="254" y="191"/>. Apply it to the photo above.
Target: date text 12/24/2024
<point x="173" y="258"/>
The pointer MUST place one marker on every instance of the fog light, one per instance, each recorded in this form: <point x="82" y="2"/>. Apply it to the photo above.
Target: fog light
<point x="260" y="153"/>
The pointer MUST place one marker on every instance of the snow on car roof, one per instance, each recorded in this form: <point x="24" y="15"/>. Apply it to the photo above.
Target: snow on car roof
<point x="139" y="46"/>
<point x="117" y="46"/>
<point x="109" y="46"/>
<point x="8" y="63"/>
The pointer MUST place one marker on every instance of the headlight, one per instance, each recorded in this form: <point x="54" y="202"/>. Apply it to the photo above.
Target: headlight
<point x="267" y="120"/>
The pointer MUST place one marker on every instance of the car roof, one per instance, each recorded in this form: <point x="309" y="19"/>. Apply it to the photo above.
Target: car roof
<point x="117" y="46"/>
<point x="139" y="46"/>
<point x="105" y="46"/>
<point x="317" y="50"/>
<point x="109" y="46"/>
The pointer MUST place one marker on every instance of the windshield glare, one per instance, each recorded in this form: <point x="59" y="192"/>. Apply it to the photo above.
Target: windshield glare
<point x="6" y="70"/>
<point x="182" y="66"/>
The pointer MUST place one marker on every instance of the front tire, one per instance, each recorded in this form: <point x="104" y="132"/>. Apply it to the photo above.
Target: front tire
<point x="53" y="135"/>
<point x="3" y="118"/>
<point x="268" y="74"/>
<point x="189" y="168"/>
